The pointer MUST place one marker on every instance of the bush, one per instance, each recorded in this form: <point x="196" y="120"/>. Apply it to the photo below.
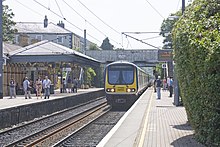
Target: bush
<point x="196" y="40"/>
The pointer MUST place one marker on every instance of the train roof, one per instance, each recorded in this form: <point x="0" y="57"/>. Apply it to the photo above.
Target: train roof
<point x="121" y="62"/>
<point x="125" y="62"/>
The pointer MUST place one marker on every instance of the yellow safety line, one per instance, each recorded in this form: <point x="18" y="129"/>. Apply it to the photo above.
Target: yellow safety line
<point x="141" y="141"/>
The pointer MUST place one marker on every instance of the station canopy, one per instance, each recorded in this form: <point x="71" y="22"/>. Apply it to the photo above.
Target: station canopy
<point x="48" y="51"/>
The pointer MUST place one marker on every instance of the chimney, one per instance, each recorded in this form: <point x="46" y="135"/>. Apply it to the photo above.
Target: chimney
<point x="61" y="24"/>
<point x="45" y="21"/>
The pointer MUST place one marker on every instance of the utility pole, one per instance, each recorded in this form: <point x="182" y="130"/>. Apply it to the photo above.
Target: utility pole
<point x="84" y="48"/>
<point x="176" y="83"/>
<point x="1" y="52"/>
<point x="183" y="6"/>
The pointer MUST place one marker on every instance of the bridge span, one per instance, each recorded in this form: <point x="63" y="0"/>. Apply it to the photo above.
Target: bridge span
<point x="145" y="58"/>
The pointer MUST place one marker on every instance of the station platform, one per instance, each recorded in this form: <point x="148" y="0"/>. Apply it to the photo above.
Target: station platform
<point x="20" y="100"/>
<point x="20" y="110"/>
<point x="152" y="123"/>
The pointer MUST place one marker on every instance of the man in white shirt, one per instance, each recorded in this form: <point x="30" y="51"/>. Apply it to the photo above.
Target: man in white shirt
<point x="26" y="88"/>
<point x="46" y="87"/>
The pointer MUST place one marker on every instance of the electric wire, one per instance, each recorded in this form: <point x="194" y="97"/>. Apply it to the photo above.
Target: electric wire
<point x="140" y="41"/>
<point x="88" y="21"/>
<point x="155" y="9"/>
<point x="84" y="19"/>
<point x="65" y="19"/>
<point x="128" y="43"/>
<point x="151" y="38"/>
<point x="54" y="20"/>
<point x="59" y="9"/>
<point x="177" y="5"/>
<point x="98" y="17"/>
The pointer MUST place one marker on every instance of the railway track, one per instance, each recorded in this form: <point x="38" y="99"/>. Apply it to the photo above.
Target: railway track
<point x="55" y="127"/>
<point x="92" y="133"/>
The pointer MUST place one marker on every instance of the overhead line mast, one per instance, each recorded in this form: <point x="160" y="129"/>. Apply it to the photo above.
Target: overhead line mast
<point x="1" y="51"/>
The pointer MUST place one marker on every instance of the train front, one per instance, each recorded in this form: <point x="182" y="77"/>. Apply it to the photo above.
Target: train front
<point x="121" y="84"/>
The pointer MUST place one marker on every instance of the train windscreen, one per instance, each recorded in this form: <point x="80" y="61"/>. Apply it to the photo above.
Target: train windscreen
<point x="118" y="75"/>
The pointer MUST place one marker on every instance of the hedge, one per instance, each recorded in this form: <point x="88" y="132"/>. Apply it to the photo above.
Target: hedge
<point x="196" y="43"/>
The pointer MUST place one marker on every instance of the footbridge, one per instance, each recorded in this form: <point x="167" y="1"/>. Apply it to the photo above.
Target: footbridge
<point x="144" y="58"/>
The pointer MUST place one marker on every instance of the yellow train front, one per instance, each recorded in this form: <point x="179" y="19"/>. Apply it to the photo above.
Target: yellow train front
<point x="124" y="82"/>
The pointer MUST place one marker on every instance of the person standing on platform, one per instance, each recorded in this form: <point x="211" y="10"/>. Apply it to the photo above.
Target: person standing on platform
<point x="168" y="84"/>
<point x="158" y="87"/>
<point x="75" y="84"/>
<point x="64" y="86"/>
<point x="171" y="86"/>
<point x="155" y="89"/>
<point x="164" y="84"/>
<point x="12" y="86"/>
<point x="69" y="84"/>
<point x="46" y="86"/>
<point x="27" y="88"/>
<point x="39" y="87"/>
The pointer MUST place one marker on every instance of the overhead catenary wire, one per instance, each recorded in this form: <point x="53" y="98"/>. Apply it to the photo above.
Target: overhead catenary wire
<point x="54" y="20"/>
<point x="140" y="41"/>
<point x="73" y="24"/>
<point x="155" y="9"/>
<point x="62" y="16"/>
<point x="98" y="17"/>
<point x="151" y="37"/>
<point x="59" y="8"/>
<point x="128" y="43"/>
<point x="84" y="18"/>
<point x="89" y="22"/>
<point x="65" y="19"/>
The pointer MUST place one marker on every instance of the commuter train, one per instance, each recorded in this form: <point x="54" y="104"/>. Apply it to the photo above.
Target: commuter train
<point x="124" y="82"/>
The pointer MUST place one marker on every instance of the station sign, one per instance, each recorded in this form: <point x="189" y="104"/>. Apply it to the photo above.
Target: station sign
<point x="165" y="55"/>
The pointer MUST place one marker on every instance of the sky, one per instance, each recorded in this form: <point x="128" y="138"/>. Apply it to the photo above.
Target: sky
<point x="103" y="18"/>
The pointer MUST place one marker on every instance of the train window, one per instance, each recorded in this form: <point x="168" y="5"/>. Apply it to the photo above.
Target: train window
<point x="113" y="77"/>
<point x="128" y="76"/>
<point x="120" y="75"/>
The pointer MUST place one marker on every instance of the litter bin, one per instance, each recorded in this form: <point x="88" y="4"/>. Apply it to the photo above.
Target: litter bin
<point x="51" y="89"/>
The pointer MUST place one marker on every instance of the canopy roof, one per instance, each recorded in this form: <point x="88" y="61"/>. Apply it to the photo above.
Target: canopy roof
<point x="47" y="51"/>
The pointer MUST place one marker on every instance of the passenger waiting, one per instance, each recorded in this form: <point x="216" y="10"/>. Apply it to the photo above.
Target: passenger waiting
<point x="75" y="84"/>
<point x="69" y="84"/>
<point x="27" y="88"/>
<point x="39" y="87"/>
<point x="12" y="86"/>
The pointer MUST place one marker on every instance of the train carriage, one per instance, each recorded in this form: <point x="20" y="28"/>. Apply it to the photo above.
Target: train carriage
<point x="124" y="82"/>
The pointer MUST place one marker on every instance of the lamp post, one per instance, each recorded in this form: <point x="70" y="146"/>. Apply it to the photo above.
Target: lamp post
<point x="1" y="53"/>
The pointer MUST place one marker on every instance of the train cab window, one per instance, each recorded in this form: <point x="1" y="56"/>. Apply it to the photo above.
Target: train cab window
<point x="128" y="77"/>
<point x="120" y="75"/>
<point x="113" y="77"/>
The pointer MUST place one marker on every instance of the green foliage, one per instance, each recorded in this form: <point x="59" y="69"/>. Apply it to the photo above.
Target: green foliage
<point x="93" y="47"/>
<point x="166" y="28"/>
<point x="8" y="24"/>
<point x="106" y="45"/>
<point x="196" y="40"/>
<point x="89" y="76"/>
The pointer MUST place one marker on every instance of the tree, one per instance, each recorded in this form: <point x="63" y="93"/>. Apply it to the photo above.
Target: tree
<point x="93" y="47"/>
<point x="106" y="45"/>
<point x="166" y="29"/>
<point x="89" y="76"/>
<point x="8" y="24"/>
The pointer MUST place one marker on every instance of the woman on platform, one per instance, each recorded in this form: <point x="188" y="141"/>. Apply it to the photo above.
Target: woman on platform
<point x="39" y="87"/>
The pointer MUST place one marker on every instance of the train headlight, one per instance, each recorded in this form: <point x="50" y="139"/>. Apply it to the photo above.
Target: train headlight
<point x="110" y="90"/>
<point x="130" y="90"/>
